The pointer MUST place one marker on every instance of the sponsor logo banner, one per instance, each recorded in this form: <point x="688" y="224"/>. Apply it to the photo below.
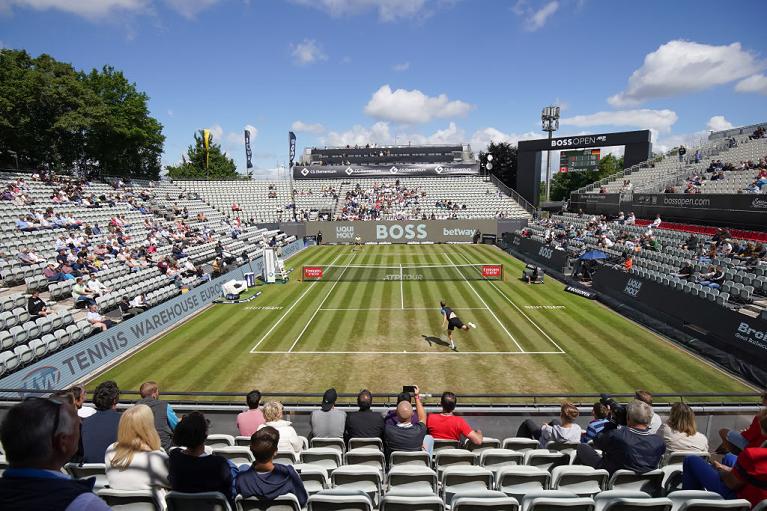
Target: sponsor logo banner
<point x="75" y="362"/>
<point x="437" y="231"/>
<point x="313" y="272"/>
<point x="491" y="270"/>
<point x="393" y="171"/>
<point x="633" y="286"/>
<point x="581" y="292"/>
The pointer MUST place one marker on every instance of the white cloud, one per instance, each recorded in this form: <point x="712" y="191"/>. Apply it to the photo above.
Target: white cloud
<point x="304" y="127"/>
<point x="404" y="66"/>
<point x="755" y="83"/>
<point x="359" y="135"/>
<point x="306" y="52"/>
<point x="388" y="10"/>
<point x="660" y="120"/>
<point x="90" y="9"/>
<point x="535" y="19"/>
<point x="718" y="123"/>
<point x="217" y="132"/>
<point x="188" y="8"/>
<point x="678" y="67"/>
<point x="252" y="129"/>
<point x="170" y="113"/>
<point x="412" y="106"/>
<point x="482" y="138"/>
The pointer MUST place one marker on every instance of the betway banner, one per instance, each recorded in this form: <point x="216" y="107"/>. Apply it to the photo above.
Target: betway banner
<point x="74" y="363"/>
<point x="437" y="231"/>
<point x="392" y="171"/>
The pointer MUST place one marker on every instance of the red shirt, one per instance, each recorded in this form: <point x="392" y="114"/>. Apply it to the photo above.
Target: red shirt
<point x="751" y="469"/>
<point x="754" y="434"/>
<point x="447" y="427"/>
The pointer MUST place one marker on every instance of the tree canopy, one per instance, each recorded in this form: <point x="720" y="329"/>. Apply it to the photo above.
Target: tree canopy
<point x="192" y="166"/>
<point x="54" y="115"/>
<point x="504" y="162"/>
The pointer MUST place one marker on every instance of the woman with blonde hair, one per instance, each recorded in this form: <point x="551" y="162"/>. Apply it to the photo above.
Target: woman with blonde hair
<point x="680" y="432"/>
<point x="136" y="461"/>
<point x="560" y="431"/>
<point x="289" y="440"/>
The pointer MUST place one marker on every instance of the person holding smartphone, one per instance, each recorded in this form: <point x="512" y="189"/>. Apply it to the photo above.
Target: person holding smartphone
<point x="404" y="435"/>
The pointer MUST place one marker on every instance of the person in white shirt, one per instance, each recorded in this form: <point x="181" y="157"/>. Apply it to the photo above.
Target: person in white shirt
<point x="139" y="302"/>
<point x="680" y="432"/>
<point x="561" y="431"/>
<point x="97" y="320"/>
<point x="136" y="461"/>
<point x="631" y="220"/>
<point x="655" y="422"/>
<point x="289" y="440"/>
<point x="95" y="285"/>
<point x="657" y="221"/>
<point x="78" y="391"/>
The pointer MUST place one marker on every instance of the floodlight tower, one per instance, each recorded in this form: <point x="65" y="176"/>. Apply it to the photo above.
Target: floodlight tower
<point x="550" y="124"/>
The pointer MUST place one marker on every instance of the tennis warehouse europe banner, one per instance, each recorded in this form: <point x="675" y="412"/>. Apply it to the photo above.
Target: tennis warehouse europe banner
<point x="436" y="231"/>
<point x="75" y="362"/>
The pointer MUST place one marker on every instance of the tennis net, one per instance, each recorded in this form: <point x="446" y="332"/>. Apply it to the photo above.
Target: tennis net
<point x="367" y="273"/>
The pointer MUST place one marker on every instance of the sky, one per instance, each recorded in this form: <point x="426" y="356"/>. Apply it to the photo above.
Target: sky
<point x="340" y="72"/>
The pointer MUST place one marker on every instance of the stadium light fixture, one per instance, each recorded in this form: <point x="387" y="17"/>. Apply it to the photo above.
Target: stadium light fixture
<point x="550" y="124"/>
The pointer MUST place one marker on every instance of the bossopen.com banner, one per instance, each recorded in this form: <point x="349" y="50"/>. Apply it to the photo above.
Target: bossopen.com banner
<point x="73" y="363"/>
<point x="437" y="231"/>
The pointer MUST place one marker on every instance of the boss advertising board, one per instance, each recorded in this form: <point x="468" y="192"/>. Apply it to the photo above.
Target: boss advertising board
<point x="539" y="252"/>
<point x="385" y="172"/>
<point x="436" y="231"/>
<point x="729" y="331"/>
<point x="75" y="362"/>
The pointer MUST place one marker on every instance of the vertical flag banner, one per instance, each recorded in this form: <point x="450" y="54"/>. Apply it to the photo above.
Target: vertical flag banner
<point x="206" y="144"/>
<point x="248" y="152"/>
<point x="292" y="139"/>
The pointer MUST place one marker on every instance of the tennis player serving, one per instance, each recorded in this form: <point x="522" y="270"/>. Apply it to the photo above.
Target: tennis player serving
<point x="452" y="321"/>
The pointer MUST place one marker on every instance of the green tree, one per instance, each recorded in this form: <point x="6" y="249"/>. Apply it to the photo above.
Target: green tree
<point x="220" y="166"/>
<point x="563" y="183"/>
<point x="51" y="114"/>
<point x="504" y="162"/>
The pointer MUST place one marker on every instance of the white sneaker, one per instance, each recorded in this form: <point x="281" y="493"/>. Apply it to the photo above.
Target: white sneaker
<point x="452" y="345"/>
<point x="472" y="325"/>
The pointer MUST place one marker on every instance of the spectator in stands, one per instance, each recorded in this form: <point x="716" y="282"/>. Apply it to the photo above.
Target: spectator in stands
<point x="126" y="310"/>
<point x="714" y="278"/>
<point x="165" y="419"/>
<point x="28" y="257"/>
<point x="79" y="393"/>
<point x="136" y="461"/>
<point x="406" y="436"/>
<point x="741" y="477"/>
<point x="632" y="447"/>
<point x="691" y="243"/>
<point x="139" y="302"/>
<point x="656" y="422"/>
<point x="600" y="413"/>
<point x="656" y="223"/>
<point x="391" y="416"/>
<point x="364" y="423"/>
<point x="448" y="426"/>
<point x="190" y="468"/>
<point x="560" y="431"/>
<point x="735" y="441"/>
<point x="265" y="479"/>
<point x="81" y="293"/>
<point x="249" y="421"/>
<point x="36" y="306"/>
<point x="680" y="432"/>
<point x="99" y="431"/>
<point x="682" y="151"/>
<point x="39" y="436"/>
<point x="95" y="285"/>
<point x="97" y="319"/>
<point x="289" y="440"/>
<point x="631" y="219"/>
<point x="328" y="422"/>
<point x="628" y="263"/>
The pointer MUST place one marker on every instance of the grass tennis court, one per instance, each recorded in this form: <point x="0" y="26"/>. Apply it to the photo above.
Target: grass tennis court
<point x="381" y="334"/>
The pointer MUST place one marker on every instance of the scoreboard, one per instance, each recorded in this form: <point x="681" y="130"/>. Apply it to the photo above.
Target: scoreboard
<point x="579" y="160"/>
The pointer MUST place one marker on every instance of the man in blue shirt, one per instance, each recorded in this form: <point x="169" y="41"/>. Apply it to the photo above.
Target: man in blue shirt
<point x="40" y="436"/>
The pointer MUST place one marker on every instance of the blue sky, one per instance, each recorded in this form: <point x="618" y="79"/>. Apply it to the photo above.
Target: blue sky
<point x="353" y="71"/>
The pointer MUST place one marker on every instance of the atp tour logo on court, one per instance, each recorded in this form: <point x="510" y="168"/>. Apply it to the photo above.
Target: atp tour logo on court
<point x="491" y="270"/>
<point x="345" y="232"/>
<point x="313" y="272"/>
<point x="633" y="287"/>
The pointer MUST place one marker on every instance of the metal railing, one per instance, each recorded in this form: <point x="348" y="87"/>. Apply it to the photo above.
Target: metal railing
<point x="514" y="195"/>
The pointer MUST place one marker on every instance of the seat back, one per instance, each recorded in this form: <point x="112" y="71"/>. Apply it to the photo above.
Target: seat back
<point x="519" y="444"/>
<point x="452" y="457"/>
<point x="649" y="482"/>
<point x="339" y="500"/>
<point x="206" y="501"/>
<point x="412" y="503"/>
<point x="517" y="481"/>
<point x="715" y="505"/>
<point x="545" y="459"/>
<point x="329" y="458"/>
<point x="412" y="477"/>
<point x="328" y="443"/>
<point x="236" y="454"/>
<point x="410" y="458"/>
<point x="638" y="504"/>
<point x="366" y="443"/>
<point x="678" y="498"/>
<point x="486" y="500"/>
<point x="288" y="502"/>
<point x="365" y="456"/>
<point x="563" y="504"/>
<point x="487" y="443"/>
<point x="216" y="440"/>
<point x="122" y="500"/>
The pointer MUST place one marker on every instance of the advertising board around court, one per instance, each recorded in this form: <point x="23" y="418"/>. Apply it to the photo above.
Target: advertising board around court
<point x="77" y="361"/>
<point x="539" y="252"/>
<point x="406" y="231"/>
<point x="385" y="172"/>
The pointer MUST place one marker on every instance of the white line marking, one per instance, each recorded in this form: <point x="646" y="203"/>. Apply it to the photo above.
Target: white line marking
<point x="253" y="349"/>
<point x="409" y="352"/>
<point x="407" y="309"/>
<point x="401" y="288"/>
<point x="520" y="310"/>
<point x="321" y="304"/>
<point x="485" y="304"/>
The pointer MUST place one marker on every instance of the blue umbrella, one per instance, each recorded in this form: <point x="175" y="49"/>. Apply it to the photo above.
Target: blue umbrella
<point x="592" y="255"/>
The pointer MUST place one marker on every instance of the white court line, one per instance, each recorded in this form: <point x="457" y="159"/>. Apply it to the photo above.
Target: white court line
<point x="436" y="309"/>
<point x="309" y="288"/>
<point x="485" y="304"/>
<point x="448" y="353"/>
<point x="401" y="288"/>
<point x="321" y="304"/>
<point x="520" y="310"/>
